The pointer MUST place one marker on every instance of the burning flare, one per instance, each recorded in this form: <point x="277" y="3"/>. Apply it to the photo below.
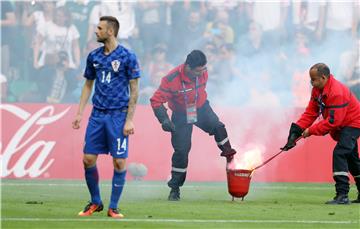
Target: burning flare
<point x="247" y="161"/>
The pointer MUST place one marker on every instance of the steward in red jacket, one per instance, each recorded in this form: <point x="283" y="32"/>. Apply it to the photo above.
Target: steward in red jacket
<point x="341" y="118"/>
<point x="171" y="90"/>
<point x="184" y="91"/>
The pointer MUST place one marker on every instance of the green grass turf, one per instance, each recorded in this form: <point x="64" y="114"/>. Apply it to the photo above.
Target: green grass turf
<point x="55" y="204"/>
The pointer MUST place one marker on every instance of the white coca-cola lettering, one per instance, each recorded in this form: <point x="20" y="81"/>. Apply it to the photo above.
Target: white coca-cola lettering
<point x="19" y="145"/>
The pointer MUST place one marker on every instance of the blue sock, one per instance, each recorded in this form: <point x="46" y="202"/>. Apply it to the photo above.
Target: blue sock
<point x="118" y="182"/>
<point x="92" y="181"/>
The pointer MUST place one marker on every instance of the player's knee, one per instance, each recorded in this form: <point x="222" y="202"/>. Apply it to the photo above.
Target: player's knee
<point x="119" y="164"/>
<point x="89" y="161"/>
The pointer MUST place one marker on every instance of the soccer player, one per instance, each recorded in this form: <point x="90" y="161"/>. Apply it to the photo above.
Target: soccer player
<point x="184" y="90"/>
<point x="115" y="71"/>
<point x="341" y="118"/>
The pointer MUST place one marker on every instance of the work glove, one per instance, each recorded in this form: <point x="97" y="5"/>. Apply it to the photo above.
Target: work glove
<point x="294" y="133"/>
<point x="162" y="116"/>
<point x="229" y="154"/>
<point x="168" y="125"/>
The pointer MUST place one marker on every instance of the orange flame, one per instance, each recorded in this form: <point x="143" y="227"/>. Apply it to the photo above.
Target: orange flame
<point x="248" y="160"/>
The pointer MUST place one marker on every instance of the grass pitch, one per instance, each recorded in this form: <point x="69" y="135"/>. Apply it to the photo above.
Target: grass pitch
<point x="55" y="204"/>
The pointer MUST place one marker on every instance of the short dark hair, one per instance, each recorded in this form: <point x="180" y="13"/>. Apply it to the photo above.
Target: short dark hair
<point x="322" y="69"/>
<point x="195" y="59"/>
<point x="113" y="22"/>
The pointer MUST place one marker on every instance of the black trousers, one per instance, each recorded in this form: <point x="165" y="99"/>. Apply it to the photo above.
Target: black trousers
<point x="209" y="122"/>
<point x="346" y="159"/>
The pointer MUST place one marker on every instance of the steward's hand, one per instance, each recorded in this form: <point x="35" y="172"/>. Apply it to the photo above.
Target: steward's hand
<point x="294" y="133"/>
<point x="168" y="125"/>
<point x="306" y="133"/>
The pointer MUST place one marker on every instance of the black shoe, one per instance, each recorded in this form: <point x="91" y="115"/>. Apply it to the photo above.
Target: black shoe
<point x="339" y="199"/>
<point x="174" y="194"/>
<point x="228" y="154"/>
<point x="357" y="201"/>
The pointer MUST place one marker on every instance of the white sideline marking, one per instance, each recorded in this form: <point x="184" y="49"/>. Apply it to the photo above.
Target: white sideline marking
<point x="182" y="220"/>
<point x="158" y="185"/>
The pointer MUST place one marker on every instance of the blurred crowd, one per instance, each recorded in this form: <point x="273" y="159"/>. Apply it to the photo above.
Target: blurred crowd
<point x="258" y="52"/>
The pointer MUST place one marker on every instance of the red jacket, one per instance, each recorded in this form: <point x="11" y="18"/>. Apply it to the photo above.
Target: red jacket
<point x="339" y="107"/>
<point x="171" y="90"/>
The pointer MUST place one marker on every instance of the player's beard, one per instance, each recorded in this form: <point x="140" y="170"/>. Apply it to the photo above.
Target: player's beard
<point x="101" y="39"/>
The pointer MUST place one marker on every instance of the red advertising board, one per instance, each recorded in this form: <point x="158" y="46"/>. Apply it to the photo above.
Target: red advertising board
<point x="37" y="141"/>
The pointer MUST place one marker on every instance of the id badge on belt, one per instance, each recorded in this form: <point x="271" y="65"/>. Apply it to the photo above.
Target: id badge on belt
<point x="191" y="113"/>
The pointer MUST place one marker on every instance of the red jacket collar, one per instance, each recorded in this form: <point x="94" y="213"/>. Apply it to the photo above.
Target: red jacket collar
<point x="184" y="77"/>
<point x="328" y="84"/>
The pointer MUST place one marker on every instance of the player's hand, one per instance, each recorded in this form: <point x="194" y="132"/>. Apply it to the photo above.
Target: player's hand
<point x="128" y="128"/>
<point x="76" y="122"/>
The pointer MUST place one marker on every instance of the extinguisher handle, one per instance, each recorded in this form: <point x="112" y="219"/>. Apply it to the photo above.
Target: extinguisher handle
<point x="268" y="160"/>
<point x="298" y="139"/>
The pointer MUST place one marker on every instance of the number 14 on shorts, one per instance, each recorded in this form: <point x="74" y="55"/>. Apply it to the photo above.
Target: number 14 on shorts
<point x="121" y="145"/>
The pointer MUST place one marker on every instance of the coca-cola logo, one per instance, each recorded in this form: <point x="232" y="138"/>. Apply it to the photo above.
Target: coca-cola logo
<point x="25" y="148"/>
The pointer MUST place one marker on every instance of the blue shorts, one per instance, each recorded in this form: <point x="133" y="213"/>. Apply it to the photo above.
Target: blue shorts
<point x="104" y="133"/>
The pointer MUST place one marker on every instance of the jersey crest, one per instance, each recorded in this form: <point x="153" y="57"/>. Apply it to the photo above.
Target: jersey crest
<point x="115" y="65"/>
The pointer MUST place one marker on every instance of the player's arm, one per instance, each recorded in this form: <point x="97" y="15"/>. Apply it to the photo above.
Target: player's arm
<point x="85" y="94"/>
<point x="133" y="73"/>
<point x="134" y="94"/>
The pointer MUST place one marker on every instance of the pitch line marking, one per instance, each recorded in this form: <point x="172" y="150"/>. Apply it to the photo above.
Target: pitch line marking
<point x="179" y="220"/>
<point x="156" y="185"/>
